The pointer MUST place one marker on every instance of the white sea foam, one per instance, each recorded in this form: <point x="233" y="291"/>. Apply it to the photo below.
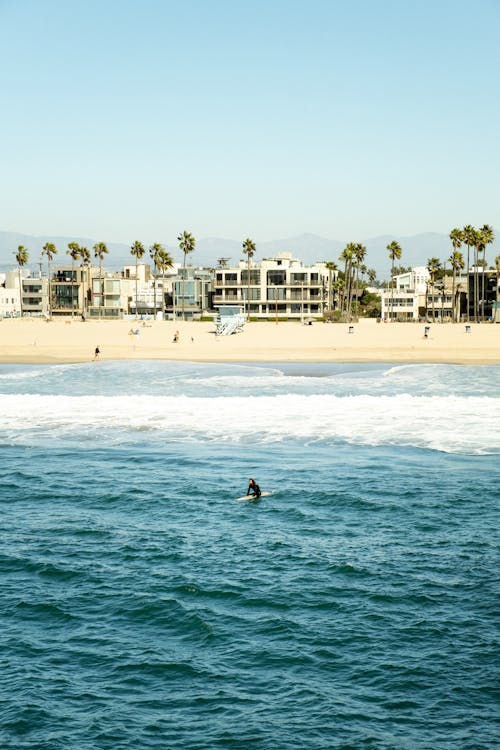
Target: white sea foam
<point x="452" y="424"/>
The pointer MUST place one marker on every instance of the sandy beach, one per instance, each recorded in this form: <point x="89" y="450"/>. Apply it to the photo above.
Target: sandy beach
<point x="59" y="341"/>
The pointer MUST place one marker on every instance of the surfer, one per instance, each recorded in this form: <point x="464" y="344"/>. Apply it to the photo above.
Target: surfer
<point x="253" y="488"/>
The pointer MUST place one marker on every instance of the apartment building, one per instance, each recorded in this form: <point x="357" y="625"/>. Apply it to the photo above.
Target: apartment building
<point x="278" y="287"/>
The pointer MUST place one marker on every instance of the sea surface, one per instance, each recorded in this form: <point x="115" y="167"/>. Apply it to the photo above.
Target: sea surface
<point x="143" y="607"/>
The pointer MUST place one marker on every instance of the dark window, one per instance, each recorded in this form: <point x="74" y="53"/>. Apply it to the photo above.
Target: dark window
<point x="276" y="277"/>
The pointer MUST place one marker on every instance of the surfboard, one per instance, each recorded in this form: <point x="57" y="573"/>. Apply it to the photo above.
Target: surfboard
<point x="253" y="497"/>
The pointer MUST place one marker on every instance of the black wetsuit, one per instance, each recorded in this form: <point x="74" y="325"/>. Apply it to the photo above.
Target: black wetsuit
<point x="254" y="489"/>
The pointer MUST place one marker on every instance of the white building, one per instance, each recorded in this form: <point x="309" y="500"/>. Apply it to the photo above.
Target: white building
<point x="278" y="287"/>
<point x="10" y="297"/>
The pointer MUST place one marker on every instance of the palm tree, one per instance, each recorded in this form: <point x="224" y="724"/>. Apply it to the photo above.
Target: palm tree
<point x="137" y="249"/>
<point x="372" y="276"/>
<point x="457" y="263"/>
<point x="456" y="237"/>
<point x="468" y="238"/>
<point x="154" y="251"/>
<point x="359" y="254"/>
<point x="100" y="250"/>
<point x="433" y="266"/>
<point x="331" y="266"/>
<point x="186" y="244"/>
<point x="49" y="249"/>
<point x="249" y="251"/>
<point x="85" y="256"/>
<point x="74" y="252"/>
<point x="487" y="238"/>
<point x="346" y="257"/>
<point x="338" y="289"/>
<point x="22" y="257"/>
<point x="164" y="261"/>
<point x="395" y="253"/>
<point x="496" y="268"/>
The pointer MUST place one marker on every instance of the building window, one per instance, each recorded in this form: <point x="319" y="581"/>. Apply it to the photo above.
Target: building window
<point x="254" y="277"/>
<point x="276" y="277"/>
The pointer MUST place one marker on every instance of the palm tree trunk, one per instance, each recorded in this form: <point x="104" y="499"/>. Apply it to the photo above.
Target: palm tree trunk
<point x="467" y="290"/>
<point x="392" y="293"/>
<point x="136" y="269"/>
<point x="101" y="288"/>
<point x="482" y="285"/>
<point x="454" y="302"/>
<point x="48" y="290"/>
<point x="163" y="294"/>
<point x="248" y="288"/>
<point x="476" y="288"/>
<point x="20" y="293"/>
<point x="184" y="288"/>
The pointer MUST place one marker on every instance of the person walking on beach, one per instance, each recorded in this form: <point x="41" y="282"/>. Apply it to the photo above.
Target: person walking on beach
<point x="97" y="352"/>
<point x="253" y="488"/>
<point x="176" y="337"/>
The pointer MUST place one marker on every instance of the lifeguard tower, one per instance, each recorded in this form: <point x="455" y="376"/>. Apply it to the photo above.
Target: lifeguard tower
<point x="231" y="319"/>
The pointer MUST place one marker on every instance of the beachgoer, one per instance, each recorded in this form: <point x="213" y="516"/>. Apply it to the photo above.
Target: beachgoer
<point x="97" y="352"/>
<point x="176" y="337"/>
<point x="253" y="488"/>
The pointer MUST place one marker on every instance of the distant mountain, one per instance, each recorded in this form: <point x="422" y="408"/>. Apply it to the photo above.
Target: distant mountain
<point x="209" y="250"/>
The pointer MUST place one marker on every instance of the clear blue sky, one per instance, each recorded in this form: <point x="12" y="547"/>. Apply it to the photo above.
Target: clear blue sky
<point x="136" y="119"/>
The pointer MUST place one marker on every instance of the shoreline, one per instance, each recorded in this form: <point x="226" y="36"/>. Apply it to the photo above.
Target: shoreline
<point x="67" y="341"/>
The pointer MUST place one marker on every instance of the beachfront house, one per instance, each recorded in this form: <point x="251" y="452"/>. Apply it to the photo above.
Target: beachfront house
<point x="68" y="290"/>
<point x="181" y="292"/>
<point x="414" y="295"/>
<point x="404" y="299"/>
<point x="191" y="293"/>
<point x="10" y="297"/>
<point x="35" y="295"/>
<point x="280" y="287"/>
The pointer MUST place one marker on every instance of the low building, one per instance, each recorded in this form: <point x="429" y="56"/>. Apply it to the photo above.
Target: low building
<point x="412" y="296"/>
<point x="191" y="293"/>
<point x="68" y="290"/>
<point x="35" y="296"/>
<point x="10" y="297"/>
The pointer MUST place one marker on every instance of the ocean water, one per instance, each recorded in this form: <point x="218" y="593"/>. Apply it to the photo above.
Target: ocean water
<point x="143" y="607"/>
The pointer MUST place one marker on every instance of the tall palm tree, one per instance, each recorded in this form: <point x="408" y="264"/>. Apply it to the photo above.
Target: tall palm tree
<point x="85" y="257"/>
<point x="49" y="249"/>
<point x="457" y="263"/>
<point x="372" y="275"/>
<point x="22" y="257"/>
<point x="137" y="250"/>
<point x="186" y="243"/>
<point x="164" y="261"/>
<point x="487" y="238"/>
<point x="433" y="266"/>
<point x="347" y="256"/>
<point x="249" y="251"/>
<point x="496" y="268"/>
<point x="468" y="238"/>
<point x="359" y="254"/>
<point x="74" y="252"/>
<point x="395" y="253"/>
<point x="331" y="266"/>
<point x="154" y="251"/>
<point x="100" y="250"/>
<point x="456" y="237"/>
